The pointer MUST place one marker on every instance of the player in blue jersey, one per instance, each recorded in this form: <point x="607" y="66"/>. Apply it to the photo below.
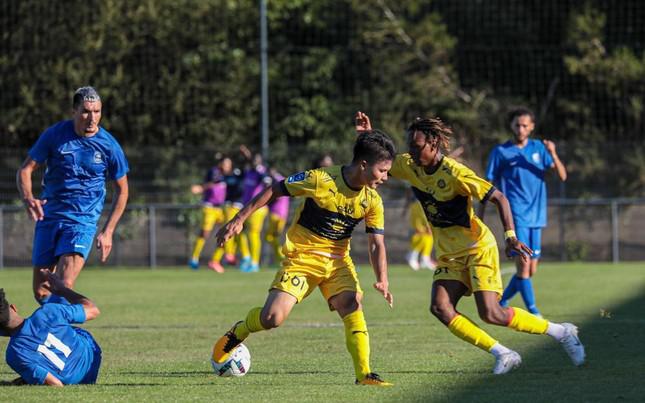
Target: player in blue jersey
<point x="80" y="156"/>
<point x="45" y="349"/>
<point x="517" y="169"/>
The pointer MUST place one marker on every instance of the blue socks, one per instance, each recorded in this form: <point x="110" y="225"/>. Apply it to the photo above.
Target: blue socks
<point x="525" y="288"/>
<point x="509" y="292"/>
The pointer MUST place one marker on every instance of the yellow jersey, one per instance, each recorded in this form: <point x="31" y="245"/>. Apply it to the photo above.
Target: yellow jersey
<point x="324" y="223"/>
<point x="446" y="196"/>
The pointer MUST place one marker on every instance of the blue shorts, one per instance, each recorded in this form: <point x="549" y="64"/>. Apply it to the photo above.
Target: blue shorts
<point x="93" y="372"/>
<point x="532" y="237"/>
<point x="55" y="238"/>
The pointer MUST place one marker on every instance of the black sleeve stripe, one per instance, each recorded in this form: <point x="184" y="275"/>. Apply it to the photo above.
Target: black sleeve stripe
<point x="490" y="192"/>
<point x="283" y="186"/>
<point x="379" y="231"/>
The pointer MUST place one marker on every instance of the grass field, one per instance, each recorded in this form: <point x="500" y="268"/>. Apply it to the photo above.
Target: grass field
<point x="157" y="328"/>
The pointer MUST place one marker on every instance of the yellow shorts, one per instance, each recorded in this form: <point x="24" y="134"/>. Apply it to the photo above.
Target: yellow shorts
<point x="301" y="273"/>
<point x="276" y="226"/>
<point x="230" y="209"/>
<point x="211" y="216"/>
<point x="479" y="271"/>
<point x="255" y="222"/>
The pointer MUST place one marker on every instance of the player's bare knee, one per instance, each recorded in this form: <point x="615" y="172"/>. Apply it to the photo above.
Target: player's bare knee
<point x="443" y="312"/>
<point x="493" y="315"/>
<point x="272" y="320"/>
<point x="351" y="303"/>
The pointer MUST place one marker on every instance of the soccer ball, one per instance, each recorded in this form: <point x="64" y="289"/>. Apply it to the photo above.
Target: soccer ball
<point x="237" y="364"/>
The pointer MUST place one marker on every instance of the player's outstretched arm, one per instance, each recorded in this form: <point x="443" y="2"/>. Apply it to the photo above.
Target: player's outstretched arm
<point x="505" y="215"/>
<point x="56" y="286"/>
<point x="23" y="182"/>
<point x="104" y="239"/>
<point x="557" y="164"/>
<point x="378" y="260"/>
<point x="235" y="225"/>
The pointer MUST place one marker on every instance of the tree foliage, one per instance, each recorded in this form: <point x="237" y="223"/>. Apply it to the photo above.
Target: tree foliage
<point x="183" y="75"/>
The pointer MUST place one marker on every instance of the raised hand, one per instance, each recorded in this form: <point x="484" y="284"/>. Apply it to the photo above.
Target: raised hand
<point x="362" y="122"/>
<point x="550" y="146"/>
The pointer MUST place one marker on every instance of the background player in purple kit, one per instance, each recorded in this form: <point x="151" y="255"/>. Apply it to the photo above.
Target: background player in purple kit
<point x="256" y="179"/>
<point x="214" y="196"/>
<point x="278" y="215"/>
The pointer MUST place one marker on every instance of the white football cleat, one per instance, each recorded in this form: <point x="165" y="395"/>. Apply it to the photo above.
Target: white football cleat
<point x="572" y="345"/>
<point x="413" y="261"/>
<point x="506" y="362"/>
<point x="428" y="263"/>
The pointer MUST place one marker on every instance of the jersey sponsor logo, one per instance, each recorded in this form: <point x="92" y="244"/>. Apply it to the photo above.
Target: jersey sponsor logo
<point x="98" y="157"/>
<point x="79" y="246"/>
<point x="328" y="224"/>
<point x="300" y="176"/>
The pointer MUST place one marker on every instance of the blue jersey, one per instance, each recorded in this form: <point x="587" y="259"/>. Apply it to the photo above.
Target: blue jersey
<point x="47" y="343"/>
<point x="519" y="174"/>
<point x="77" y="169"/>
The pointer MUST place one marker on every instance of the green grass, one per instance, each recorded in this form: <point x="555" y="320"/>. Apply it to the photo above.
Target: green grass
<point x="157" y="328"/>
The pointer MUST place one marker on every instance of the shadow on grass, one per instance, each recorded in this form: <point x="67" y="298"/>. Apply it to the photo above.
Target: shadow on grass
<point x="613" y="371"/>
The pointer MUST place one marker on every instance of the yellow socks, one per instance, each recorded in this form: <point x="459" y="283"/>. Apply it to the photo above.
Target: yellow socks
<point x="426" y="244"/>
<point x="243" y="244"/>
<point x="217" y="255"/>
<point x="255" y="245"/>
<point x="466" y="330"/>
<point x="199" y="245"/>
<point x="416" y="242"/>
<point x="522" y="321"/>
<point x="250" y="325"/>
<point x="358" y="342"/>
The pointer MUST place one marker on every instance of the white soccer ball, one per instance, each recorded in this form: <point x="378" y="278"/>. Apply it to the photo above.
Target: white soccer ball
<point x="237" y="364"/>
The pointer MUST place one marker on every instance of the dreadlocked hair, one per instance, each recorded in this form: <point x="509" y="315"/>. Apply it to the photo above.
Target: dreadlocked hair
<point x="432" y="127"/>
<point x="4" y="310"/>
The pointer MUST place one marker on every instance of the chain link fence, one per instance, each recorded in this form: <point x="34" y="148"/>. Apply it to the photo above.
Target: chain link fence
<point x="163" y="234"/>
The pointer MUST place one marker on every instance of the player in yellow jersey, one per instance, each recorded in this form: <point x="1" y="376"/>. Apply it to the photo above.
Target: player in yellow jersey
<point x="316" y="249"/>
<point x="468" y="259"/>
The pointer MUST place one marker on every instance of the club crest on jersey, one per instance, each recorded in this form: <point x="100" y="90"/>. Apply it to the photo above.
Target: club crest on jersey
<point x="98" y="157"/>
<point x="536" y="157"/>
<point x="300" y="176"/>
<point x="441" y="184"/>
